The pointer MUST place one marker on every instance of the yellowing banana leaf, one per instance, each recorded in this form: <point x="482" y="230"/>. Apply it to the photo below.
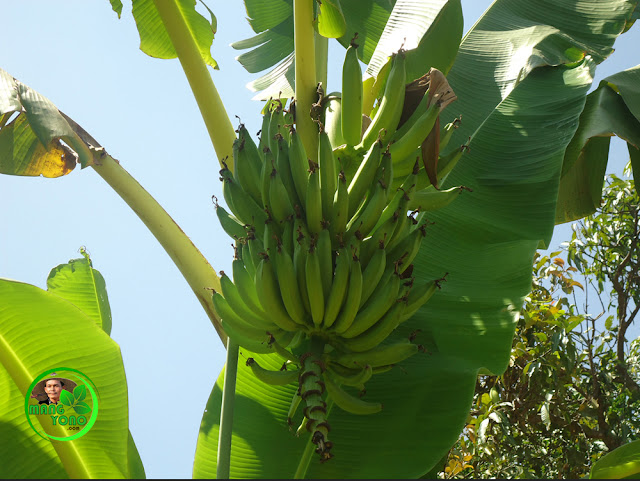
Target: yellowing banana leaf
<point x="40" y="331"/>
<point x="154" y="39"/>
<point x="35" y="137"/>
<point x="612" y="109"/>
<point x="521" y="76"/>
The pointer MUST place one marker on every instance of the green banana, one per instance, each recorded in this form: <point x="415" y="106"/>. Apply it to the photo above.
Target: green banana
<point x="288" y="236"/>
<point x="276" y="124"/>
<point x="240" y="338"/>
<point x="289" y="289"/>
<point x="352" y="93"/>
<point x="352" y="302"/>
<point x="242" y="205"/>
<point x="339" y="285"/>
<point x="313" y="204"/>
<point x="364" y="177"/>
<point x="419" y="295"/>
<point x="325" y="256"/>
<point x="315" y="290"/>
<point x="265" y="178"/>
<point x="238" y="324"/>
<point x="247" y="165"/>
<point x="247" y="260"/>
<point x="406" y="250"/>
<point x="379" y="331"/>
<point x="365" y="220"/>
<point x="333" y="119"/>
<point x="300" y="250"/>
<point x="246" y="287"/>
<point x="447" y="132"/>
<point x="448" y="162"/>
<point x="372" y="274"/>
<point x="378" y="356"/>
<point x="354" y="376"/>
<point x="340" y="211"/>
<point x="388" y="114"/>
<point x="383" y="299"/>
<point x="230" y="224"/>
<point x="349" y="403"/>
<point x="400" y="198"/>
<point x="299" y="164"/>
<point x="328" y="175"/>
<point x="264" y="131"/>
<point x="238" y="305"/>
<point x="281" y="207"/>
<point x="256" y="247"/>
<point x="274" y="378"/>
<point x="269" y="294"/>
<point x="283" y="164"/>
<point x="431" y="199"/>
<point x="406" y="144"/>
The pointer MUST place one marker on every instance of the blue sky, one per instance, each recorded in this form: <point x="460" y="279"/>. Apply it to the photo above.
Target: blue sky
<point x="84" y="59"/>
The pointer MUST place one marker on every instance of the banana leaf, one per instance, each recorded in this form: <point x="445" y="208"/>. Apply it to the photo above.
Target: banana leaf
<point x="381" y="26"/>
<point x="612" y="109"/>
<point x="41" y="330"/>
<point x="521" y="76"/>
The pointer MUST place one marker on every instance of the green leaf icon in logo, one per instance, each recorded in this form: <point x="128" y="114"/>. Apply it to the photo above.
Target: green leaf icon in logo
<point x="66" y="398"/>
<point x="82" y="408"/>
<point x="80" y="392"/>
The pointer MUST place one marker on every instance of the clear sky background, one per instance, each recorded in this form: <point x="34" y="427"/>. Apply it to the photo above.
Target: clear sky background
<point x="79" y="55"/>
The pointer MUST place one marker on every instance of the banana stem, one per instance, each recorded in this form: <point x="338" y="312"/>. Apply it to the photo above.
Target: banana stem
<point x="309" y="449"/>
<point x="306" y="87"/>
<point x="223" y="465"/>
<point x="196" y="270"/>
<point x="212" y="109"/>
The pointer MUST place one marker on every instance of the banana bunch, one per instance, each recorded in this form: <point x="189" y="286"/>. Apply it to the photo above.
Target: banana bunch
<point x="323" y="265"/>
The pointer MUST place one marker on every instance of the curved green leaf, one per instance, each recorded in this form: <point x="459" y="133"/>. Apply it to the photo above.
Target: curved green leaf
<point x="266" y="14"/>
<point x="116" y="6"/>
<point x="83" y="286"/>
<point x="623" y="462"/>
<point x="271" y="47"/>
<point x="80" y="392"/>
<point x="521" y="87"/>
<point x="612" y="109"/>
<point x="66" y="398"/>
<point x="38" y="331"/>
<point x="154" y="39"/>
<point x="273" y="22"/>
<point x="330" y="21"/>
<point x="431" y="31"/>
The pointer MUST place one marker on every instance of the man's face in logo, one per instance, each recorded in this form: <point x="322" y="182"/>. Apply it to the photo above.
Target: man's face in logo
<point x="53" y="388"/>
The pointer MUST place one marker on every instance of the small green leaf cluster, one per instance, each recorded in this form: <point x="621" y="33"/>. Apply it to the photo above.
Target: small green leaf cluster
<point x="76" y="401"/>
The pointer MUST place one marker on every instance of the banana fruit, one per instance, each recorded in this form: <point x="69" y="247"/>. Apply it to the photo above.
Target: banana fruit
<point x="325" y="243"/>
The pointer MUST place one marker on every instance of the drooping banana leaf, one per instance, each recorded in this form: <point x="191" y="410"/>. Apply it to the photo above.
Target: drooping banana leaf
<point x="612" y="109"/>
<point x="521" y="76"/>
<point x="41" y="330"/>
